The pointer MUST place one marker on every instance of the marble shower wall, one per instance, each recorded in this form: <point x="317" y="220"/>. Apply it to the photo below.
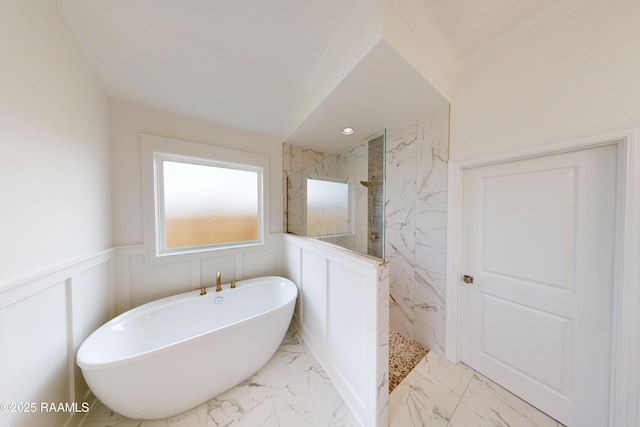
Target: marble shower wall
<point x="416" y="221"/>
<point x="295" y="159"/>
<point x="349" y="165"/>
<point x="416" y="229"/>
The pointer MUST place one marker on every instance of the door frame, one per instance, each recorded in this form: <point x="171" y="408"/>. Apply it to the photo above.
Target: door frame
<point x="624" y="398"/>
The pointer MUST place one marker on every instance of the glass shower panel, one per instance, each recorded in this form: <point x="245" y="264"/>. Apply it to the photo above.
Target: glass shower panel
<point x="340" y="200"/>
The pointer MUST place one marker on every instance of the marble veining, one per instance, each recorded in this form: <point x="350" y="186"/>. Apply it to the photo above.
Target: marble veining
<point x="401" y="253"/>
<point x="486" y="403"/>
<point x="440" y="394"/>
<point x="291" y="390"/>
<point x="416" y="158"/>
<point x="416" y="228"/>
<point x="382" y="368"/>
<point x="348" y="166"/>
<point x="294" y="159"/>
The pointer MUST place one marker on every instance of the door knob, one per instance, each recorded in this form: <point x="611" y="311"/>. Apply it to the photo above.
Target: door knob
<point x="467" y="279"/>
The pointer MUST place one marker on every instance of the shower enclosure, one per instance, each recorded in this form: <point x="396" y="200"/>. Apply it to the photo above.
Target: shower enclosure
<point x="340" y="199"/>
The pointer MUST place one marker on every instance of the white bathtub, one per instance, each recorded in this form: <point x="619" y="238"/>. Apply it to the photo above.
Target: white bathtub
<point x="170" y="355"/>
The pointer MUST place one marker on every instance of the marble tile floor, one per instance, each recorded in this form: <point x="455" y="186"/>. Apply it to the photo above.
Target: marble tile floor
<point x="438" y="393"/>
<point x="291" y="390"/>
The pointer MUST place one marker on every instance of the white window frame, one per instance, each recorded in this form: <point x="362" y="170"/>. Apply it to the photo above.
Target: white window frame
<point x="153" y="150"/>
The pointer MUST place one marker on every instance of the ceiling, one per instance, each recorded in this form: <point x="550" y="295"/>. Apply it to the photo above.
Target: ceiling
<point x="476" y="28"/>
<point x="256" y="65"/>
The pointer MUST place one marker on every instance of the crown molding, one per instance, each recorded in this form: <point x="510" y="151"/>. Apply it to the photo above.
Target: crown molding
<point x="523" y="31"/>
<point x="418" y="18"/>
<point x="356" y="17"/>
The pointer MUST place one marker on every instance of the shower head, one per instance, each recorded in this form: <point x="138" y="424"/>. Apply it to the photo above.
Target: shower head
<point x="369" y="183"/>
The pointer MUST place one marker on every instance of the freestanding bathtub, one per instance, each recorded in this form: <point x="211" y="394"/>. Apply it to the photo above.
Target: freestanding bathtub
<point x="170" y="355"/>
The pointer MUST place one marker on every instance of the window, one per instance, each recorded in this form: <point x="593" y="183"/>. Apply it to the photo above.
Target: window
<point x="200" y="198"/>
<point x="205" y="205"/>
<point x="327" y="207"/>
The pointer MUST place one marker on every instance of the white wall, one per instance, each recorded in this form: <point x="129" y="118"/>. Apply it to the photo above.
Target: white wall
<point x="577" y="76"/>
<point x="128" y="121"/>
<point x="55" y="275"/>
<point x="54" y="145"/>
<point x="137" y="282"/>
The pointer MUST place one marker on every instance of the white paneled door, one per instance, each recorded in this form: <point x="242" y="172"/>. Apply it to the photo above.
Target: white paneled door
<point x="538" y="247"/>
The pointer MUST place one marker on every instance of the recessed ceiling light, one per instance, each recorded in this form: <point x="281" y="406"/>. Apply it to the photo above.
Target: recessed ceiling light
<point x="348" y="131"/>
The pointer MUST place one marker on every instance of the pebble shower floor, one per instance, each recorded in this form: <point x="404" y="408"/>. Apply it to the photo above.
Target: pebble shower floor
<point x="404" y="355"/>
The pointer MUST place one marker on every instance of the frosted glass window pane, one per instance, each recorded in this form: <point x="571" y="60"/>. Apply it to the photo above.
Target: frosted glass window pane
<point x="327" y="207"/>
<point x="209" y="205"/>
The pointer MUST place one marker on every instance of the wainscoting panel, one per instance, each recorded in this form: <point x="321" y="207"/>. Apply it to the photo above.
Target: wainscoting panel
<point x="346" y="321"/>
<point x="157" y="281"/>
<point x="342" y="313"/>
<point x="343" y="318"/>
<point x="39" y="367"/>
<point x="313" y="298"/>
<point x="43" y="321"/>
<point x="92" y="305"/>
<point x="293" y="269"/>
<point x="258" y="263"/>
<point x="138" y="282"/>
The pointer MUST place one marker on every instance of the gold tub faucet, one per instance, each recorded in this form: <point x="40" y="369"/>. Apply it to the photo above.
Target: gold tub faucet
<point x="218" y="283"/>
